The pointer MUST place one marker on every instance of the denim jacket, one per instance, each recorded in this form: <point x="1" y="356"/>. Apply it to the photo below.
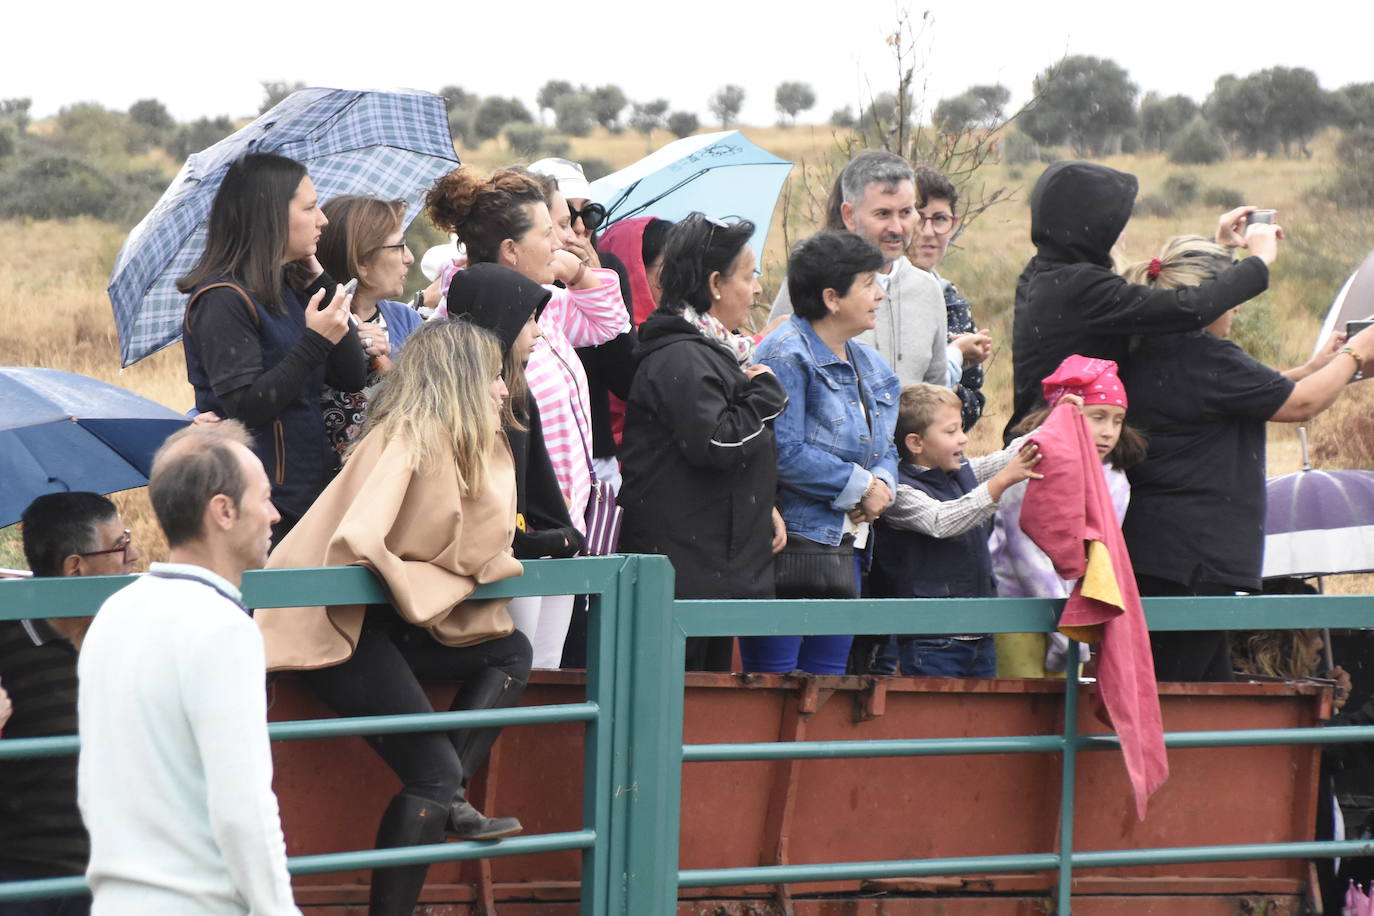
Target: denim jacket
<point x="828" y="453"/>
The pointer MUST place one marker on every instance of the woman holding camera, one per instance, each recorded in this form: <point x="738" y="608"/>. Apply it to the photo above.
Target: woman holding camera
<point x="1195" y="525"/>
<point x="261" y="338"/>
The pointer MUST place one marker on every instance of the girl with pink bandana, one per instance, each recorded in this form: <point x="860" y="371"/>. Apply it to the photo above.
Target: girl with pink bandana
<point x="1021" y="569"/>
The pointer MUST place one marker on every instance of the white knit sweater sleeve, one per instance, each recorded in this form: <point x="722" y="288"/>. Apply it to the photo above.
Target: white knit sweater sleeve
<point x="223" y="686"/>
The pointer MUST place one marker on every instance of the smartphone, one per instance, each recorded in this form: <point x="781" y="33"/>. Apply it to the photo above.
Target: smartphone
<point x="1354" y="327"/>
<point x="1260" y="216"/>
<point x="351" y="286"/>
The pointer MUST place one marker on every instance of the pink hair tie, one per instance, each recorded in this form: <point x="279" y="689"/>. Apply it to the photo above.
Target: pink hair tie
<point x="1155" y="268"/>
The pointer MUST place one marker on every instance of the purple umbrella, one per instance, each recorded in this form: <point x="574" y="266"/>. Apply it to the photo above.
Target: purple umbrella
<point x="1319" y="523"/>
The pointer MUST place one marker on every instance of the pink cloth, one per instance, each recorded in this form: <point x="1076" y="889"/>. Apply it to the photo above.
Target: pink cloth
<point x="558" y="384"/>
<point x="1096" y="381"/>
<point x="625" y="239"/>
<point x="1062" y="513"/>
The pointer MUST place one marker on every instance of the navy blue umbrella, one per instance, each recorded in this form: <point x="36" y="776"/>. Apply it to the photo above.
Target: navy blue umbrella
<point x="62" y="431"/>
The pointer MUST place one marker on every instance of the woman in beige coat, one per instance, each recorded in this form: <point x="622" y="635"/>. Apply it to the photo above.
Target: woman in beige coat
<point x="426" y="499"/>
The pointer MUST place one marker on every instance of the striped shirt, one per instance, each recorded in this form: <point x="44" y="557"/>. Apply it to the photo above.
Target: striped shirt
<point x="915" y="510"/>
<point x="39" y="820"/>
<point x="558" y="384"/>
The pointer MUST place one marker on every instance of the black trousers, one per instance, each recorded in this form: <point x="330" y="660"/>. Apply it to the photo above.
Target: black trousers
<point x="383" y="678"/>
<point x="1188" y="655"/>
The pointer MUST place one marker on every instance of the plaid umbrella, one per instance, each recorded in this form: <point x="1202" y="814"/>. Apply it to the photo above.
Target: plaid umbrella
<point x="387" y="144"/>
<point x="1319" y="523"/>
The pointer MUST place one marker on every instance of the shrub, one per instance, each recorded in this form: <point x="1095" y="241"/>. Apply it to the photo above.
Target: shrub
<point x="531" y="140"/>
<point x="495" y="113"/>
<point x="1018" y="149"/>
<point x="55" y="187"/>
<point x="1182" y="189"/>
<point x="1353" y="185"/>
<point x="1198" y="144"/>
<point x="1153" y="205"/>
<point x="1222" y="198"/>
<point x="595" y="168"/>
<point x="1131" y="142"/>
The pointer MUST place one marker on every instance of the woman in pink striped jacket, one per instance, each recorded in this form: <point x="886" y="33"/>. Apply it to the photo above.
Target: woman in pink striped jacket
<point x="505" y="219"/>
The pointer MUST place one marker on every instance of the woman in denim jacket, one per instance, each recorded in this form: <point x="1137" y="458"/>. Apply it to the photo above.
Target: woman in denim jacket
<point x="837" y="461"/>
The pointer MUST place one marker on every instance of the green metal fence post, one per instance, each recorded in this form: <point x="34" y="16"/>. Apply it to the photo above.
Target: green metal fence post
<point x="604" y="617"/>
<point x="648" y="835"/>
<point x="1068" y="782"/>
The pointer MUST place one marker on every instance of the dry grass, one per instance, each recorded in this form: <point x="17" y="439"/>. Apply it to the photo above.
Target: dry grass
<point x="53" y="276"/>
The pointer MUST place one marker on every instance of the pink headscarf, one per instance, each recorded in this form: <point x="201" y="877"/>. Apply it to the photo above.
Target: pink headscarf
<point x="1094" y="380"/>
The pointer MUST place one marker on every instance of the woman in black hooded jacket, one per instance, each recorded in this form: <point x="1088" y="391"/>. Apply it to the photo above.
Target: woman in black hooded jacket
<point x="1068" y="298"/>
<point x="699" y="464"/>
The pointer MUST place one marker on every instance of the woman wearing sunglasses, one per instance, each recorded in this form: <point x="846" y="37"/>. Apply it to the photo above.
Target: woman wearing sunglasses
<point x="365" y="239"/>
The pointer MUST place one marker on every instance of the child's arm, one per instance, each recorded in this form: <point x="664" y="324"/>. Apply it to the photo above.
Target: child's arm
<point x="985" y="466"/>
<point x="916" y="510"/>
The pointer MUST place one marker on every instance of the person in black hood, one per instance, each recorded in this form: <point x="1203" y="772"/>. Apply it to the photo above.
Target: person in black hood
<point x="506" y="302"/>
<point x="1069" y="300"/>
<point x="698" y="458"/>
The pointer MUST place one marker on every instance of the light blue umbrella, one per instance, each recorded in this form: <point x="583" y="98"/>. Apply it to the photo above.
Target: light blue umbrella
<point x="721" y="174"/>
<point x="391" y="145"/>
<point x="61" y="431"/>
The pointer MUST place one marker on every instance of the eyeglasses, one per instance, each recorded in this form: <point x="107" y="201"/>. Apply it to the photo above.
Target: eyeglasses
<point x="126" y="541"/>
<point x="398" y="246"/>
<point x="592" y="215"/>
<point x="940" y="223"/>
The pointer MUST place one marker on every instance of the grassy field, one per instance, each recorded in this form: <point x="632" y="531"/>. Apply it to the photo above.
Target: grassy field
<point x="53" y="276"/>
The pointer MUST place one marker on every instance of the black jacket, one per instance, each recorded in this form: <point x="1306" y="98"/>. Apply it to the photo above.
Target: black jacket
<point x="544" y="528"/>
<point x="1069" y="301"/>
<point x="699" y="464"/>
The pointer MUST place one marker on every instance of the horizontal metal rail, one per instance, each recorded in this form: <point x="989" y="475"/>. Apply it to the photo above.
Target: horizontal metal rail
<point x="356" y="725"/>
<point x="360" y="859"/>
<point x="971" y="865"/>
<point x="1025" y="744"/>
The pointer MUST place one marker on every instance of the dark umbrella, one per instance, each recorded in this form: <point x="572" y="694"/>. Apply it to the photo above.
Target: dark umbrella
<point x="62" y="431"/>
<point x="1319" y="523"/>
<point x="387" y="144"/>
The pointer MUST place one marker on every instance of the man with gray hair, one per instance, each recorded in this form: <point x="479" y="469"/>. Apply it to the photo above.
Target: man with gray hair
<point x="877" y="200"/>
<point x="174" y="778"/>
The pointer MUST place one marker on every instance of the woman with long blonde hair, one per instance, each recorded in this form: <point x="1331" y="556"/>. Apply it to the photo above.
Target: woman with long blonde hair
<point x="426" y="499"/>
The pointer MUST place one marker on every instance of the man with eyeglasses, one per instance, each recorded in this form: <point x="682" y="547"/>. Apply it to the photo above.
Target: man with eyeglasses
<point x="875" y="197"/>
<point x="41" y="833"/>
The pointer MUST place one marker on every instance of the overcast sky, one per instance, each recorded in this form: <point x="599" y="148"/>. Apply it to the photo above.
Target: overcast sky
<point x="210" y="59"/>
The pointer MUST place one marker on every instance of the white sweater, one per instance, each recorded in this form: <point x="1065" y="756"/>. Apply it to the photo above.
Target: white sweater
<point x="175" y="774"/>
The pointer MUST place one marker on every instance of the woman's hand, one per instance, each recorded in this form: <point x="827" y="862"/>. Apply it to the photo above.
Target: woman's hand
<point x="1263" y="240"/>
<point x="375" y="342"/>
<point x="779" y="531"/>
<point x="873" y="504"/>
<point x="757" y="369"/>
<point x="330" y="322"/>
<point x="572" y="270"/>
<point x="7" y="708"/>
<point x="206" y="418"/>
<point x="582" y="248"/>
<point x="976" y="347"/>
<point x="1231" y="227"/>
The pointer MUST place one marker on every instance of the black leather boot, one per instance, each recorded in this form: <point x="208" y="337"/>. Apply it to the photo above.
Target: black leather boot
<point x="409" y="820"/>
<point x="467" y="823"/>
<point x="490" y="688"/>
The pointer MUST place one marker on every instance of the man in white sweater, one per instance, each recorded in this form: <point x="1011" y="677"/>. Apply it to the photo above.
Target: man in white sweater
<point x="175" y="774"/>
<point x="877" y="200"/>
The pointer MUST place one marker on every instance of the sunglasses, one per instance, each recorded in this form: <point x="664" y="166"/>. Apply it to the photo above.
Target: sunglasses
<point x="125" y="542"/>
<point x="592" y="215"/>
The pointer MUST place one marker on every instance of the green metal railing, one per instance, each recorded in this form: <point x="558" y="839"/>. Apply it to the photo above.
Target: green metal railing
<point x="633" y="713"/>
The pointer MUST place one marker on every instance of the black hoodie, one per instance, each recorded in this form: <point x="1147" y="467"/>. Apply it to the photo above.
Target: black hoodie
<point x="1069" y="301"/>
<point x="699" y="462"/>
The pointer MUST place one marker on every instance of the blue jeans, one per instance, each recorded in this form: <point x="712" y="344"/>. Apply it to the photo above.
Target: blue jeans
<point x="943" y="656"/>
<point x="781" y="654"/>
